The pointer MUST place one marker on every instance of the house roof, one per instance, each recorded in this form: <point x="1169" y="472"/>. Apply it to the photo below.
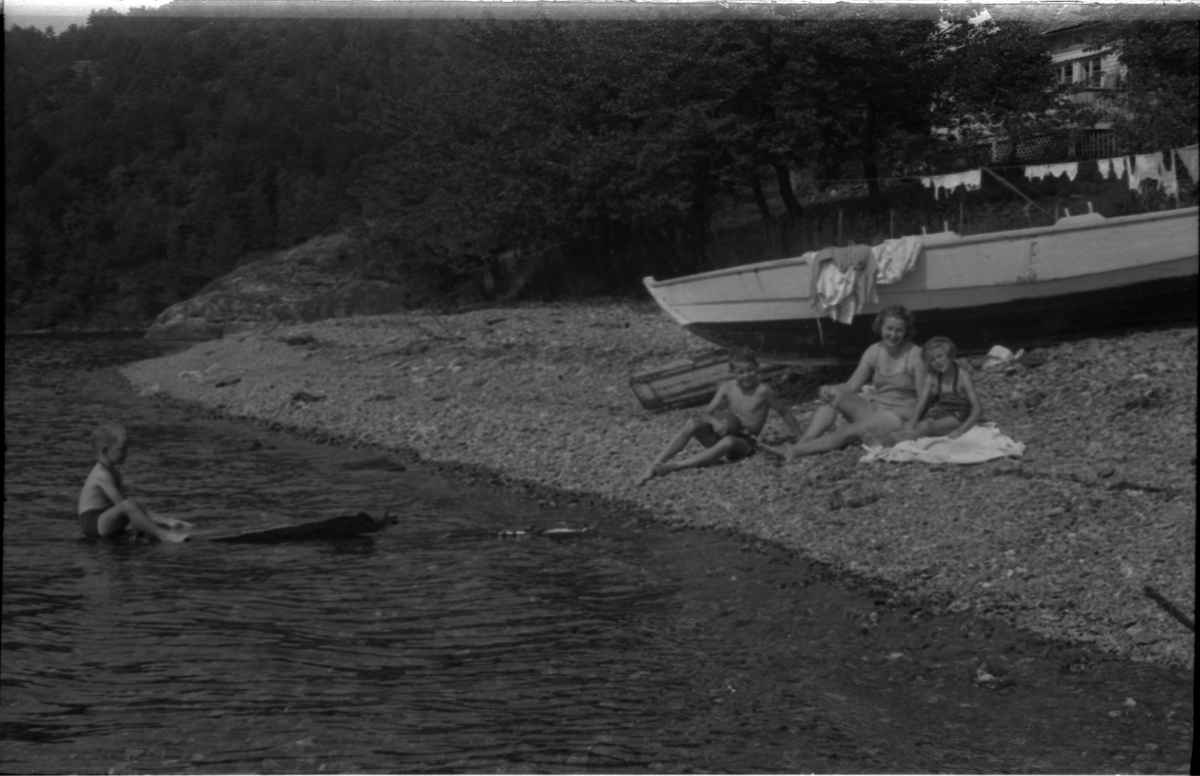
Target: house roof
<point x="1048" y="18"/>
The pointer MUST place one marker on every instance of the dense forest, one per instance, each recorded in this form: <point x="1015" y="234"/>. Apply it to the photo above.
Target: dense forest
<point x="148" y="153"/>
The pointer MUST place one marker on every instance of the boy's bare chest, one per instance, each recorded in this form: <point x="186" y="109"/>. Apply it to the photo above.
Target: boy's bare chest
<point x="746" y="401"/>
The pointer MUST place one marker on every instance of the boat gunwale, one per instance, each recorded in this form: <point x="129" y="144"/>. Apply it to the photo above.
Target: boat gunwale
<point x="1028" y="233"/>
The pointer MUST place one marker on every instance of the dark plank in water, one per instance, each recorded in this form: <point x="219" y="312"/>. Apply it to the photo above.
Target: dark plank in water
<point x="340" y="527"/>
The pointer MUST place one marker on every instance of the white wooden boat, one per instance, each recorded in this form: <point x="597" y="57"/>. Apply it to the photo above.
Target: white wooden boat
<point x="1086" y="274"/>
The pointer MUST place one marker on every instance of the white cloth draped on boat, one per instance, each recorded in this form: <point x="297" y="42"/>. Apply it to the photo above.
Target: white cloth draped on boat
<point x="843" y="281"/>
<point x="982" y="443"/>
<point x="1035" y="172"/>
<point x="894" y="258"/>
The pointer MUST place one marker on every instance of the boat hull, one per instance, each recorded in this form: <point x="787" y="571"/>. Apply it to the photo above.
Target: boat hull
<point x="1087" y="275"/>
<point x="1021" y="322"/>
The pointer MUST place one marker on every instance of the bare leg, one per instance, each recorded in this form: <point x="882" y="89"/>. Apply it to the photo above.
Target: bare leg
<point x="706" y="457"/>
<point x="821" y="421"/>
<point x="114" y="520"/>
<point x="827" y="443"/>
<point x="880" y="424"/>
<point x="692" y="428"/>
<point x="854" y="407"/>
<point x="928" y="428"/>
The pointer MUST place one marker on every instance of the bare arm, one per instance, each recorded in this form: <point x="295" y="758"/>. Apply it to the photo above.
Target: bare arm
<point x="110" y="487"/>
<point x="920" y="371"/>
<point x="857" y="380"/>
<point x="718" y="399"/>
<point x="922" y="401"/>
<point x="775" y="403"/>
<point x="976" y="405"/>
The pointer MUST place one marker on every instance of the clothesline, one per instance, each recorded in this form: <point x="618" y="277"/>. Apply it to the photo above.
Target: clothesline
<point x="1151" y="167"/>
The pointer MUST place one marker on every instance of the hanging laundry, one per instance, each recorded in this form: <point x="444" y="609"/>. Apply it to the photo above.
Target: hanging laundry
<point x="1069" y="169"/>
<point x="894" y="258"/>
<point x="1145" y="167"/>
<point x="1170" y="177"/>
<point x="1190" y="159"/>
<point x="1035" y="172"/>
<point x="1105" y="167"/>
<point x="951" y="182"/>
<point x="1120" y="166"/>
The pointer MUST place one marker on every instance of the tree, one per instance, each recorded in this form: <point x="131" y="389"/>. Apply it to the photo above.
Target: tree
<point x="1161" y="99"/>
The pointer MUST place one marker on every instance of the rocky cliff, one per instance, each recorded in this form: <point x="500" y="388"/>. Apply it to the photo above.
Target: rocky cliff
<point x="313" y="281"/>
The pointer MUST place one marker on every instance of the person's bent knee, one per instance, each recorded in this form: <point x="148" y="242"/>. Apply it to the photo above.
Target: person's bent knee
<point x="106" y="529"/>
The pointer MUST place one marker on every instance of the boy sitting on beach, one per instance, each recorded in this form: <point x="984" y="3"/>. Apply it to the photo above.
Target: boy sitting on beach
<point x="104" y="511"/>
<point x="732" y="432"/>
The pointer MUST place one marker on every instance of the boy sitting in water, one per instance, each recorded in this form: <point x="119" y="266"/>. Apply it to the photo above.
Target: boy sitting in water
<point x="104" y="511"/>
<point x="730" y="433"/>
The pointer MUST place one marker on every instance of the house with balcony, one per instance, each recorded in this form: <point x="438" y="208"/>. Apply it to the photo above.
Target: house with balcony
<point x="1096" y="76"/>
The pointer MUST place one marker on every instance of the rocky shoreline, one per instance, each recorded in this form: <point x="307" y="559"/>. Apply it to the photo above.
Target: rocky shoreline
<point x="1060" y="542"/>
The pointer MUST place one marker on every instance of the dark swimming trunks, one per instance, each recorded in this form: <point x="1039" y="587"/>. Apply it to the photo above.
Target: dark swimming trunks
<point x="89" y="522"/>
<point x="749" y="439"/>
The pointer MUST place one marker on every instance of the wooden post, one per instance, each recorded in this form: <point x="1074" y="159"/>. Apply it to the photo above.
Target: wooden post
<point x="1170" y="608"/>
<point x="839" y="231"/>
<point x="960" y="216"/>
<point x="1018" y="192"/>
<point x="892" y="223"/>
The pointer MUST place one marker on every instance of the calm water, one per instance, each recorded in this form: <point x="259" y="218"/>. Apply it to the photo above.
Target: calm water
<point x="433" y="646"/>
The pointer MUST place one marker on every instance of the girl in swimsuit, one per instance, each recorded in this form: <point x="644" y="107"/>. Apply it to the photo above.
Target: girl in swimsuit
<point x="948" y="400"/>
<point x="894" y="367"/>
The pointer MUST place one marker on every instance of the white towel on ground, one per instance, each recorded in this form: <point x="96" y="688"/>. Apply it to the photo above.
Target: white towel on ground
<point x="982" y="443"/>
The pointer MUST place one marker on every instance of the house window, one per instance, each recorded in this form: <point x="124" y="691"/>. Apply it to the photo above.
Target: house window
<point x="1066" y="73"/>
<point x="1091" y="73"/>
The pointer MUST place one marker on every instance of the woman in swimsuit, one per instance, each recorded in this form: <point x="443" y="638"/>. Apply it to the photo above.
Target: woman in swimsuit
<point x="893" y="366"/>
<point x="948" y="403"/>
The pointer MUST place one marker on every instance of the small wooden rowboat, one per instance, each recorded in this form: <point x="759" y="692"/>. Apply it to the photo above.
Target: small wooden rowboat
<point x="1084" y="275"/>
<point x="687" y="381"/>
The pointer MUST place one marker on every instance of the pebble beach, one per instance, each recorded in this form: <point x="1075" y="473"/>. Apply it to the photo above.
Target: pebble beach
<point x="1061" y="542"/>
